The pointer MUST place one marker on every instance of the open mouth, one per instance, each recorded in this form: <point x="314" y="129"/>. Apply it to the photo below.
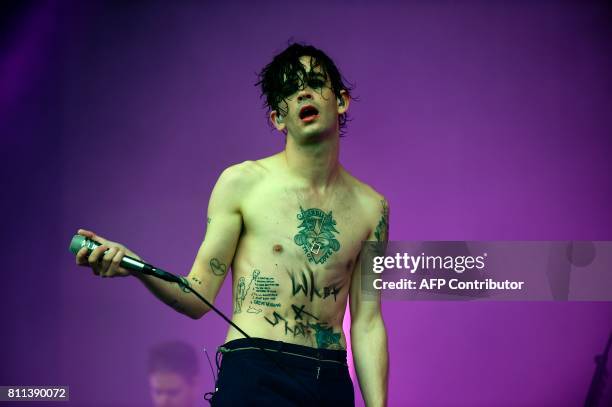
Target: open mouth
<point x="308" y="113"/>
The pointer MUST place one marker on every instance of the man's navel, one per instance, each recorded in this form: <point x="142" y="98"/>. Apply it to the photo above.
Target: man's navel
<point x="278" y="249"/>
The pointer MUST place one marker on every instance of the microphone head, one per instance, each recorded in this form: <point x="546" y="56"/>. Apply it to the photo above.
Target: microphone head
<point x="77" y="242"/>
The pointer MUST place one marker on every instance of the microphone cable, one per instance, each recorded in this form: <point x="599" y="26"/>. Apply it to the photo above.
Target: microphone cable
<point x="79" y="241"/>
<point x="182" y="285"/>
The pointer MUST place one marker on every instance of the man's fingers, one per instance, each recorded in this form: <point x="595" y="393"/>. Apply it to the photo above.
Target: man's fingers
<point x="86" y="233"/>
<point x="91" y="235"/>
<point x="95" y="257"/>
<point x="112" y="266"/>
<point x="81" y="256"/>
<point x="97" y="254"/>
<point x="106" y="262"/>
<point x="115" y="263"/>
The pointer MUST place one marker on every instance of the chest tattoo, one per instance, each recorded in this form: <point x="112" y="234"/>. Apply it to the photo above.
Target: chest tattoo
<point x="317" y="234"/>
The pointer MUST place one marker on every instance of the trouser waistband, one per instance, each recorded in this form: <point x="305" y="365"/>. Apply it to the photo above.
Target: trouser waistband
<point x="321" y="355"/>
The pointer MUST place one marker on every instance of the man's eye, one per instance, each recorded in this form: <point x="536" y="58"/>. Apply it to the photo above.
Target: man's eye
<point x="289" y="89"/>
<point x="316" y="83"/>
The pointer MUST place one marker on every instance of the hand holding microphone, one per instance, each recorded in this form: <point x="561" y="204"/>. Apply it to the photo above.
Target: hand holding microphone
<point x="111" y="259"/>
<point x="104" y="259"/>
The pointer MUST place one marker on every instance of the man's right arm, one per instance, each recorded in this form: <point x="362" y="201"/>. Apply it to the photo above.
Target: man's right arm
<point x="212" y="261"/>
<point x="216" y="252"/>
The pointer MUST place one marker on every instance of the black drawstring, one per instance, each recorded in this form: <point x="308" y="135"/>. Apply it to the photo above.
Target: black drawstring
<point x="218" y="356"/>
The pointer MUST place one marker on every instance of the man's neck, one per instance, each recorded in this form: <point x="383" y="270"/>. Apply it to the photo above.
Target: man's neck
<point x="316" y="164"/>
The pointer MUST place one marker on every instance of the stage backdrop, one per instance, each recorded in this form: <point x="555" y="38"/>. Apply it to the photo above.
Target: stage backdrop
<point x="477" y="120"/>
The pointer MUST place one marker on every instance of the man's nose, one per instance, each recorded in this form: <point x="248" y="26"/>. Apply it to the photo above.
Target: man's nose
<point x="303" y="95"/>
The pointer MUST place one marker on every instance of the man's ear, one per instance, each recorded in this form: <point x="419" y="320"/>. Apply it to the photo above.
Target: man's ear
<point x="277" y="120"/>
<point x="343" y="102"/>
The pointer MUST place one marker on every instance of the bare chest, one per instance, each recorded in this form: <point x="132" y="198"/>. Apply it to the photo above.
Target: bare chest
<point x="303" y="232"/>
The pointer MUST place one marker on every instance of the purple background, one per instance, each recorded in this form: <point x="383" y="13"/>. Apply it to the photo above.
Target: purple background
<point x="478" y="121"/>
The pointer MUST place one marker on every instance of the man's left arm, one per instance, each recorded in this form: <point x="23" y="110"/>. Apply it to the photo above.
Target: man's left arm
<point x="368" y="333"/>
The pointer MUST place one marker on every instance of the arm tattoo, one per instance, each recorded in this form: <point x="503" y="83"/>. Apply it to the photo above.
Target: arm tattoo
<point x="217" y="267"/>
<point x="382" y="230"/>
<point x="185" y="284"/>
<point x="317" y="234"/>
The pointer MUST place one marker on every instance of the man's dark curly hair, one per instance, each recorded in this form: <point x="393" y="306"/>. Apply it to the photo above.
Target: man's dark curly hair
<point x="285" y="75"/>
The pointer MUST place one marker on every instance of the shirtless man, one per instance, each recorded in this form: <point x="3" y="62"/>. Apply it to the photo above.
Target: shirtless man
<point x="291" y="228"/>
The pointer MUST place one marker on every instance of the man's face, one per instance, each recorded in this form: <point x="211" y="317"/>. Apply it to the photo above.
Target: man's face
<point x="310" y="107"/>
<point x="169" y="389"/>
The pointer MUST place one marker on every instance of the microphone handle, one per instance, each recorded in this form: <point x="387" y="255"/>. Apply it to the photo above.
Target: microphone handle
<point x="129" y="263"/>
<point x="133" y="264"/>
<point x="157" y="272"/>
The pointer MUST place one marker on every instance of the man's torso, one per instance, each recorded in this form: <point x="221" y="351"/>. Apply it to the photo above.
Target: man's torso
<point x="295" y="257"/>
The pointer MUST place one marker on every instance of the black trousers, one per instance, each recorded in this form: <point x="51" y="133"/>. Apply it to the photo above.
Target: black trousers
<point x="282" y="374"/>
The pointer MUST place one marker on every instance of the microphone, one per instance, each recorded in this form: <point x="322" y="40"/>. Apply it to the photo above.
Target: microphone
<point x="130" y="263"/>
<point x="127" y="262"/>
